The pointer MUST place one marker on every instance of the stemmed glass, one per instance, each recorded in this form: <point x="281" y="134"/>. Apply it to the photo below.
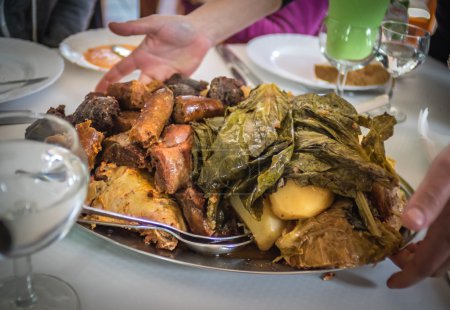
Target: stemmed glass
<point x="43" y="183"/>
<point x="347" y="47"/>
<point x="403" y="48"/>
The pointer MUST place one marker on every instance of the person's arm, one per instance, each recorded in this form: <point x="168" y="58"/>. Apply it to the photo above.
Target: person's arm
<point x="429" y="207"/>
<point x="179" y="43"/>
<point x="220" y="19"/>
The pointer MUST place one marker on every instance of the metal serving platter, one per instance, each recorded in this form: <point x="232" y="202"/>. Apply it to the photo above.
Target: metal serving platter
<point x="247" y="260"/>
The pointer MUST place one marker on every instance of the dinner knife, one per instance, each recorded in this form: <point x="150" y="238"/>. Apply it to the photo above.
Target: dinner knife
<point x="238" y="68"/>
<point x="27" y="81"/>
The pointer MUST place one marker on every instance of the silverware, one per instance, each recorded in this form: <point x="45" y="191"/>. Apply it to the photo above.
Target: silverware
<point x="238" y="69"/>
<point x="26" y="81"/>
<point x="121" y="51"/>
<point x="198" y="243"/>
<point x="13" y="119"/>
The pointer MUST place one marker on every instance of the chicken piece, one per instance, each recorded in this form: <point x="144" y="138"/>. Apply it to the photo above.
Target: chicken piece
<point x="90" y="140"/>
<point x="184" y="86"/>
<point x="194" y="108"/>
<point x="192" y="203"/>
<point x="120" y="150"/>
<point x="154" y="116"/>
<point x="126" y="120"/>
<point x="131" y="95"/>
<point x="227" y="90"/>
<point x="101" y="110"/>
<point x="131" y="191"/>
<point x="172" y="158"/>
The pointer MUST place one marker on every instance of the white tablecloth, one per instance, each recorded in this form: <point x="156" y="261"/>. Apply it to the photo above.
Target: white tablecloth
<point x="109" y="277"/>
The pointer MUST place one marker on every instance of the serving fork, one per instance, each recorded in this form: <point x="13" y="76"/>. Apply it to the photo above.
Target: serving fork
<point x="197" y="243"/>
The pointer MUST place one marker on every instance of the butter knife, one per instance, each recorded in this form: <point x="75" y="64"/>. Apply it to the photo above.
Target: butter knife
<point x="238" y="68"/>
<point x="27" y="81"/>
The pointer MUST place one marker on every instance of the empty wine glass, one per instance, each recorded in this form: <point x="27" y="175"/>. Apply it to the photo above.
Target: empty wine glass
<point x="347" y="47"/>
<point x="43" y="183"/>
<point x="403" y="48"/>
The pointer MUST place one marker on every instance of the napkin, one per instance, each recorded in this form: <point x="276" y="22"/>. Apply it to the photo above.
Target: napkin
<point x="432" y="141"/>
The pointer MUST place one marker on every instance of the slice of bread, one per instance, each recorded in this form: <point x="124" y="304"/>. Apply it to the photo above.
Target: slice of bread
<point x="372" y="74"/>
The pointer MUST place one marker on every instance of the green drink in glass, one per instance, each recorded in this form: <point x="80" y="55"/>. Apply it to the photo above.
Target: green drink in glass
<point x="364" y="17"/>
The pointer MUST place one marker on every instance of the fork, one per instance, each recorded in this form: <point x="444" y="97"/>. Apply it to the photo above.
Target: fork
<point x="197" y="243"/>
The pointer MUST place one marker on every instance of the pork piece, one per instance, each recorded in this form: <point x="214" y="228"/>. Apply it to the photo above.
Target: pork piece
<point x="194" y="108"/>
<point x="131" y="95"/>
<point x="126" y="120"/>
<point x="227" y="90"/>
<point x="101" y="110"/>
<point x="183" y="86"/>
<point x="389" y="203"/>
<point x="192" y="203"/>
<point x="172" y="158"/>
<point x="59" y="111"/>
<point x="120" y="150"/>
<point x="90" y="140"/>
<point x="154" y="116"/>
<point x="41" y="128"/>
<point x="132" y="192"/>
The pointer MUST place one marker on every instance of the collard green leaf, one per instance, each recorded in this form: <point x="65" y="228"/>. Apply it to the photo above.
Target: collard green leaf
<point x="251" y="129"/>
<point x="381" y="129"/>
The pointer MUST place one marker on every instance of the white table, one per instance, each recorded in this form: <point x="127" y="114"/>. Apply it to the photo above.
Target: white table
<point x="109" y="277"/>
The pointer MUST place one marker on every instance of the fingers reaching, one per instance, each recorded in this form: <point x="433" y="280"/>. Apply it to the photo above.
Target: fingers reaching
<point x="431" y="196"/>
<point x="121" y="69"/>
<point x="135" y="27"/>
<point x="429" y="258"/>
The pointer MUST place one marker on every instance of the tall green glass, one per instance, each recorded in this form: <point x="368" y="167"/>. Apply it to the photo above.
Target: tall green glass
<point x="363" y="14"/>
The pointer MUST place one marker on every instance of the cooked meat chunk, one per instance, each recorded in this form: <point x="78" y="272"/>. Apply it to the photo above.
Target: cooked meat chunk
<point x="194" y="108"/>
<point x="131" y="95"/>
<point x="126" y="120"/>
<point x="41" y="128"/>
<point x="192" y="203"/>
<point x="58" y="111"/>
<point x="227" y="90"/>
<point x="101" y="110"/>
<point x="120" y="150"/>
<point x="154" y="116"/>
<point x="90" y="140"/>
<point x="131" y="191"/>
<point x="172" y="159"/>
<point x="176" y="134"/>
<point x="183" y="86"/>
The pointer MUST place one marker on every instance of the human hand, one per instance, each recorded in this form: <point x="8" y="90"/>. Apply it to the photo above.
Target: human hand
<point x="172" y="44"/>
<point x="429" y="207"/>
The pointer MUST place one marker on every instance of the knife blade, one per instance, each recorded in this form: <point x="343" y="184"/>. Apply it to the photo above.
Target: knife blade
<point x="238" y="68"/>
<point x="27" y="81"/>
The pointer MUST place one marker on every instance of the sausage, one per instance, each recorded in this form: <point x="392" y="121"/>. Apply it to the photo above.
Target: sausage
<point x="194" y="108"/>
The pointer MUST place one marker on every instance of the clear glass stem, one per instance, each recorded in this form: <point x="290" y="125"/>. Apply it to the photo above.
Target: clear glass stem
<point x="25" y="295"/>
<point x="342" y="77"/>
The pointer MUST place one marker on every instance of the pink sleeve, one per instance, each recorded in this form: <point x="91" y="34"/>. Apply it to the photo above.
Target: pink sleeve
<point x="300" y="16"/>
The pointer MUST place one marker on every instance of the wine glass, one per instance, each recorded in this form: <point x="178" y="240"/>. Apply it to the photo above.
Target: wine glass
<point x="347" y="47"/>
<point x="43" y="183"/>
<point x="403" y="48"/>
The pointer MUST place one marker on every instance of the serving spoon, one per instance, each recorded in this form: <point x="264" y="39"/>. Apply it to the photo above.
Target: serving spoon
<point x="197" y="243"/>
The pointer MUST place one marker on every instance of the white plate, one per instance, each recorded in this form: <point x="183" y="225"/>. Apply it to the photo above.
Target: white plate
<point x="292" y="56"/>
<point x="20" y="59"/>
<point x="74" y="46"/>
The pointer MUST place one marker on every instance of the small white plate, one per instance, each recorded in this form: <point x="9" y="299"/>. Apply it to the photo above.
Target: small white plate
<point x="74" y="46"/>
<point x="20" y="59"/>
<point x="292" y="56"/>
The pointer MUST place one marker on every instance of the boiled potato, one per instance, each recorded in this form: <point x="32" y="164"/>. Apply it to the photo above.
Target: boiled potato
<point x="293" y="201"/>
<point x="267" y="230"/>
